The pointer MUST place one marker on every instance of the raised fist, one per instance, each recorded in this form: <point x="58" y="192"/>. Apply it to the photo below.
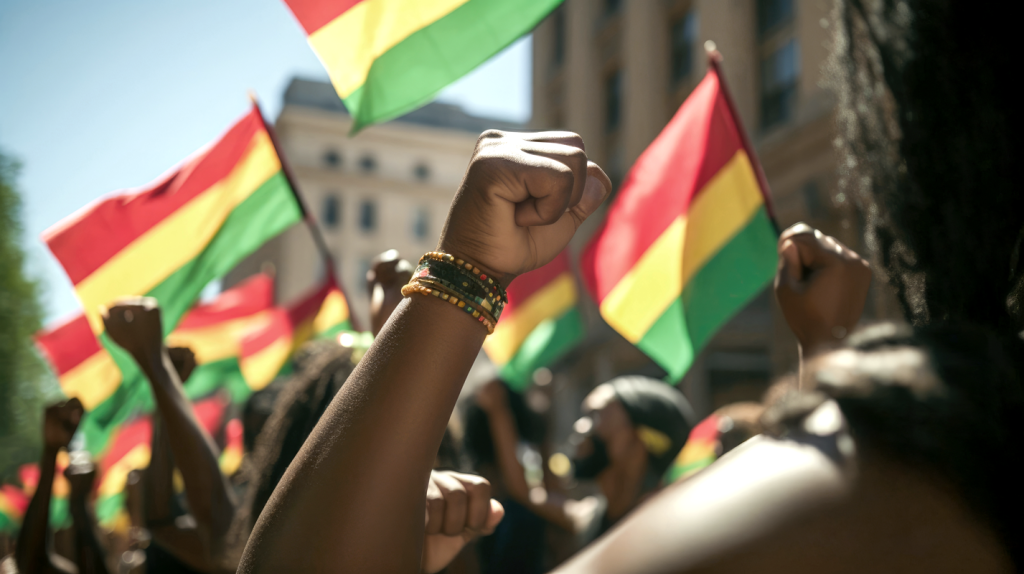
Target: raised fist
<point x="387" y="275"/>
<point x="821" y="286"/>
<point x="522" y="199"/>
<point x="135" y="325"/>
<point x="492" y="396"/>
<point x="459" y="508"/>
<point x="60" y="422"/>
<point x="184" y="361"/>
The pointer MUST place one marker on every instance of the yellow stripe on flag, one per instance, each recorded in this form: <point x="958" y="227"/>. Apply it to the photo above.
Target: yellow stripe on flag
<point x="551" y="301"/>
<point x="218" y="341"/>
<point x="179" y="238"/>
<point x="718" y="212"/>
<point x="333" y="311"/>
<point x="117" y="475"/>
<point x="260" y="368"/>
<point x="93" y="380"/>
<point x="348" y="45"/>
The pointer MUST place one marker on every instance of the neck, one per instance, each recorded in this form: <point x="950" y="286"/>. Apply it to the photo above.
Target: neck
<point x="622" y="484"/>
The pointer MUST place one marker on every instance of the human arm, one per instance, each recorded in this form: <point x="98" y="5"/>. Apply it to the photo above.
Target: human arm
<point x="90" y="556"/>
<point x="353" y="499"/>
<point x="32" y="553"/>
<point x="493" y="399"/>
<point x="821" y="286"/>
<point x="136" y="326"/>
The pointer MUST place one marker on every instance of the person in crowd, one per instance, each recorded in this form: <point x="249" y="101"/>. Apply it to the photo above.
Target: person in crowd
<point x="518" y="544"/>
<point x="90" y="556"/>
<point x="384" y="280"/>
<point x="135" y="325"/>
<point x="33" y="551"/>
<point x="631" y="430"/>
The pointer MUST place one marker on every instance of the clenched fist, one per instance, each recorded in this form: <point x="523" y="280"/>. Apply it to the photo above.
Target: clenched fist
<point x="60" y="422"/>
<point x="821" y="286"/>
<point x="522" y="199"/>
<point x="135" y="325"/>
<point x="459" y="508"/>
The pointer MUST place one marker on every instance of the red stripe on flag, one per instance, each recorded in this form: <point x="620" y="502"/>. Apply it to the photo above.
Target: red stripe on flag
<point x="278" y="326"/>
<point x="306" y="308"/>
<point x="89" y="238"/>
<point x="695" y="145"/>
<point x="251" y="296"/>
<point x="315" y="14"/>
<point x="524" y="286"/>
<point x="68" y="344"/>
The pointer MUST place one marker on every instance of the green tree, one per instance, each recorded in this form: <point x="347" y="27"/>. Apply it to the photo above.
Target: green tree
<point x="22" y="372"/>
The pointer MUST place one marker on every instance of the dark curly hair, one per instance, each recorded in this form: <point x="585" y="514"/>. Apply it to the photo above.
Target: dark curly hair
<point x="929" y="125"/>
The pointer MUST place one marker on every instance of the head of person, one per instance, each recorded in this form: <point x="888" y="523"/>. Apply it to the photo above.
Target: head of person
<point x="946" y="400"/>
<point x="630" y="421"/>
<point x="387" y="275"/>
<point x="477" y="443"/>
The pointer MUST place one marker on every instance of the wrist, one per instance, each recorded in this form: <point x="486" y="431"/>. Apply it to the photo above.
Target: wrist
<point x="453" y="248"/>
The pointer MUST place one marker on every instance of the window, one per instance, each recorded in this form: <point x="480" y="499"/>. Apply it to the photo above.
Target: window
<point x="332" y="159"/>
<point x="558" y="22"/>
<point x="816" y="208"/>
<point x="684" y="36"/>
<point x="421" y="224"/>
<point x="368" y="216"/>
<point x="613" y="103"/>
<point x="779" y="72"/>
<point x="771" y="14"/>
<point x="331" y="215"/>
<point x="612" y="6"/>
<point x="368" y="164"/>
<point x="421" y="172"/>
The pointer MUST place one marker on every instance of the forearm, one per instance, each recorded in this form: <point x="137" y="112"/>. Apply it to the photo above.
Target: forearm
<point x="193" y="450"/>
<point x="89" y="554"/>
<point x="353" y="499"/>
<point x="506" y="441"/>
<point x="158" y="477"/>
<point x="30" y="552"/>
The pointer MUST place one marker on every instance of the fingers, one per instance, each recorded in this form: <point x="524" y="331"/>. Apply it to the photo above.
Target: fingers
<point x="554" y="189"/>
<point x="435" y="507"/>
<point x="457" y="503"/>
<point x="496" y="512"/>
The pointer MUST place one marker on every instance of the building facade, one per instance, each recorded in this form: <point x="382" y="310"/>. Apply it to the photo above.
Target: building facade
<point x="615" y="71"/>
<point x="389" y="187"/>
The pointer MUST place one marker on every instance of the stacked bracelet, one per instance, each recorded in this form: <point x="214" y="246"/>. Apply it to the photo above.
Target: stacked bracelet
<point x="460" y="283"/>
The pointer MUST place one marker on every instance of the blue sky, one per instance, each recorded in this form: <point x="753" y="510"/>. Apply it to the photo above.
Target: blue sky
<point x="101" y="96"/>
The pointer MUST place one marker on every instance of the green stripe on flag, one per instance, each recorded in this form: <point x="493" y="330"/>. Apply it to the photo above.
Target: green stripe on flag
<point x="546" y="343"/>
<point x="411" y="73"/>
<point x="723" y="286"/>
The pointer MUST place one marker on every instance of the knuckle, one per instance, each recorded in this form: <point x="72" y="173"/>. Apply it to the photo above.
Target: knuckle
<point x="490" y="134"/>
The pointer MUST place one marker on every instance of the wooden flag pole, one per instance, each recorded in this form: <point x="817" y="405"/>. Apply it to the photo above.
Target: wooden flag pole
<point x="307" y="216"/>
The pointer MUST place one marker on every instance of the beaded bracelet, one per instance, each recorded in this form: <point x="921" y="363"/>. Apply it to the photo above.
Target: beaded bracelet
<point x="460" y="283"/>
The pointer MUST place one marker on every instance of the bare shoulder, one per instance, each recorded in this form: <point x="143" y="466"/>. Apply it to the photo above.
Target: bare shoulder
<point x="785" y="505"/>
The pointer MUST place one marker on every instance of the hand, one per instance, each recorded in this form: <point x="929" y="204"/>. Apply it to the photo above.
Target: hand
<point x="184" y="361"/>
<point x="492" y="396"/>
<point x="521" y="201"/>
<point x="135" y="325"/>
<point x="821" y="286"/>
<point x="459" y="508"/>
<point x="384" y="281"/>
<point x="81" y="477"/>
<point x="60" y="422"/>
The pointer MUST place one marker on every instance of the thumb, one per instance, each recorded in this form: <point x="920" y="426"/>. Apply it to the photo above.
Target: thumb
<point x="595" y="191"/>
<point x="497" y="513"/>
<point x="789" y="260"/>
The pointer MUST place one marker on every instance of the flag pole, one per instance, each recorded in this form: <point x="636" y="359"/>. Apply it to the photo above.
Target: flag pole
<point x="715" y="63"/>
<point x="307" y="216"/>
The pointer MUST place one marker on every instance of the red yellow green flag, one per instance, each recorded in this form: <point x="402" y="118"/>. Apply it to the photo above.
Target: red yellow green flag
<point x="169" y="240"/>
<point x="322" y="312"/>
<point x="689" y="240"/>
<point x="701" y="449"/>
<point x="388" y="57"/>
<point x="539" y="323"/>
<point x="13" y="504"/>
<point x="214" y="331"/>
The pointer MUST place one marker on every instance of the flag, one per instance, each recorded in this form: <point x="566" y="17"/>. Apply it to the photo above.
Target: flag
<point x="214" y="331"/>
<point x="169" y="240"/>
<point x="701" y="449"/>
<point x="234" y="448"/>
<point x="322" y="312"/>
<point x="60" y="511"/>
<point x="130" y="449"/>
<point x="13" y="504"/>
<point x="388" y="57"/>
<point x="689" y="240"/>
<point x="539" y="323"/>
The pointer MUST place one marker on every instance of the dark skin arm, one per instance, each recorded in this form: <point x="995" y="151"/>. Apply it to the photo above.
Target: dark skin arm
<point x="158" y="477"/>
<point x="136" y="326"/>
<point x="32" y="552"/>
<point x="493" y="399"/>
<point x="523" y="197"/>
<point x="90" y="556"/>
